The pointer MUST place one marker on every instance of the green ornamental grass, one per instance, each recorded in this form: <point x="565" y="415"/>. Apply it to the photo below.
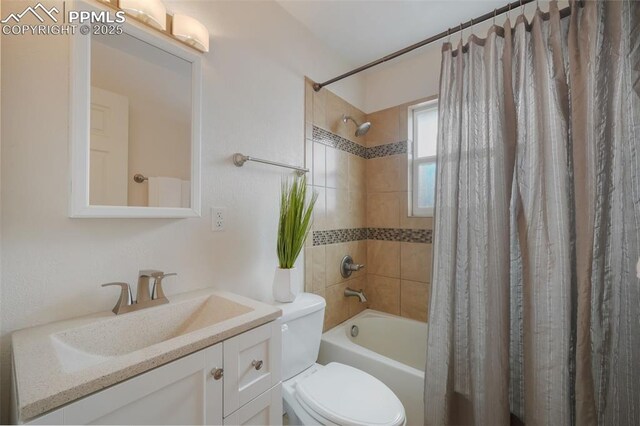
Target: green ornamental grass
<point x="295" y="219"/>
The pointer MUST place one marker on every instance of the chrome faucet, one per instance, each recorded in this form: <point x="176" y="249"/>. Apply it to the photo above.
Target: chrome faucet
<point x="145" y="298"/>
<point x="348" y="292"/>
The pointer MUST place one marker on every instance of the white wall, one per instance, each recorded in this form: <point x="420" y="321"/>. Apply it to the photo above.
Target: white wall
<point x="406" y="79"/>
<point x="417" y="74"/>
<point x="253" y="102"/>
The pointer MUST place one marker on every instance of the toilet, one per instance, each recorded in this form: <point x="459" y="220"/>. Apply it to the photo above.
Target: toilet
<point x="333" y="394"/>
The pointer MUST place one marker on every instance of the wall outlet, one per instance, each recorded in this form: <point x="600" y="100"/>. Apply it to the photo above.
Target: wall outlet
<point x="218" y="216"/>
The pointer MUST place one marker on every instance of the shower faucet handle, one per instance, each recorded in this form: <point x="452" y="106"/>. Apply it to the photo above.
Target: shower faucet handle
<point x="347" y="267"/>
<point x="354" y="266"/>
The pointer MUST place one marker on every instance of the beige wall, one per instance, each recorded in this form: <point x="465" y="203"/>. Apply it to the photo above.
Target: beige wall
<point x="399" y="272"/>
<point x="339" y="179"/>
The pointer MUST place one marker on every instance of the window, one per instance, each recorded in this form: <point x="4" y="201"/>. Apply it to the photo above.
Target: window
<point x="423" y="137"/>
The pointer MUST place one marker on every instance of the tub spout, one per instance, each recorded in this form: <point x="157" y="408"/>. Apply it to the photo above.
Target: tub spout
<point x="357" y="293"/>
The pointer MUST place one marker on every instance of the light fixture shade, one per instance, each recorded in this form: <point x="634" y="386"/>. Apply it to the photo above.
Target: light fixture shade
<point x="151" y="12"/>
<point x="190" y="31"/>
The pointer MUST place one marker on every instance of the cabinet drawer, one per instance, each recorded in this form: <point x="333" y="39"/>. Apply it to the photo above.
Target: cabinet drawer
<point x="266" y="409"/>
<point x="251" y="365"/>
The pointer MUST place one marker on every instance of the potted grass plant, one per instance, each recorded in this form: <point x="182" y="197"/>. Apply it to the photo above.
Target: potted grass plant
<point x="296" y="208"/>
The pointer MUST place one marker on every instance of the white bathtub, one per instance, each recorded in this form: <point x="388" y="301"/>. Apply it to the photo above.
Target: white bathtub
<point x="389" y="347"/>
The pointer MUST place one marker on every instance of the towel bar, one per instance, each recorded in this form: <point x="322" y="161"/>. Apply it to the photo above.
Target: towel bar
<point x="240" y="159"/>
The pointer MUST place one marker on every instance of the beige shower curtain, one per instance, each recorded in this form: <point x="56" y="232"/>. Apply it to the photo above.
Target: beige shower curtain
<point x="535" y="308"/>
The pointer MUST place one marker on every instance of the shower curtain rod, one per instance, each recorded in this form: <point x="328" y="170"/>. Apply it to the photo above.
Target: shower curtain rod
<point x="462" y="26"/>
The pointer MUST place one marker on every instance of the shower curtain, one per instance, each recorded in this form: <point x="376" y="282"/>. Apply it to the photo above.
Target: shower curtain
<point x="535" y="308"/>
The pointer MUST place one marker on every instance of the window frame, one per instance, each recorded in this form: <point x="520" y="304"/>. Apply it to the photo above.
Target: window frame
<point x="414" y="160"/>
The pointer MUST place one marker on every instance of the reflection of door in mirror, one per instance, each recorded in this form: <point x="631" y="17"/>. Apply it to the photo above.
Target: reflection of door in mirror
<point x="109" y="148"/>
<point x="157" y="86"/>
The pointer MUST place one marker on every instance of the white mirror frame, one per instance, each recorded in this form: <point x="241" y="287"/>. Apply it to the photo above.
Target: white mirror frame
<point x="80" y="110"/>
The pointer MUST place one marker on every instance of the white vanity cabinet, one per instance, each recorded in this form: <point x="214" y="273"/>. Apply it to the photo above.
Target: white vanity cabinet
<point x="251" y="366"/>
<point x="186" y="391"/>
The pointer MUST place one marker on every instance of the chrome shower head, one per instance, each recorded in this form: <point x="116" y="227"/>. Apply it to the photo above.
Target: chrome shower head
<point x="361" y="129"/>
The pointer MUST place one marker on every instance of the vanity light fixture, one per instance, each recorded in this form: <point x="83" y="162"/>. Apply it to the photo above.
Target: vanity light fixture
<point x="151" y="12"/>
<point x="190" y="31"/>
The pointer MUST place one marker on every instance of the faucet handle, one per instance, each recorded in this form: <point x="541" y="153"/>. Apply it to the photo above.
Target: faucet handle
<point x="355" y="266"/>
<point x="347" y="267"/>
<point x="144" y="275"/>
<point x="159" y="276"/>
<point x="149" y="273"/>
<point x="157" y="292"/>
<point x="125" y="299"/>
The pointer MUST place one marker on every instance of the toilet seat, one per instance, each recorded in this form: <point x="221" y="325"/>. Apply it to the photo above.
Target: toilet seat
<point x="343" y="395"/>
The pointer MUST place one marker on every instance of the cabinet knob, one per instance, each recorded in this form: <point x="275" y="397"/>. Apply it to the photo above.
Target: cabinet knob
<point x="257" y="364"/>
<point x="217" y="373"/>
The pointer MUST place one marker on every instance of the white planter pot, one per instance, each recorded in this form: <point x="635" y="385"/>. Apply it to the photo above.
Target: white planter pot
<point x="286" y="284"/>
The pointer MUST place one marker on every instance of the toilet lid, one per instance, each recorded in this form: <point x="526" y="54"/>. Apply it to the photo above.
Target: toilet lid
<point x="347" y="396"/>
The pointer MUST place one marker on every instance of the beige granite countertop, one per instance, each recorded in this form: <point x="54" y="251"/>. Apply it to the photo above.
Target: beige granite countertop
<point x="51" y="371"/>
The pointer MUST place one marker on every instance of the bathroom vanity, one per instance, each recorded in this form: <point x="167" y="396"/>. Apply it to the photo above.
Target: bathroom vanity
<point x="207" y="357"/>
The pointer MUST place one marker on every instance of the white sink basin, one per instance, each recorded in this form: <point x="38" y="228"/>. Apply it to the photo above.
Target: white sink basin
<point x="82" y="347"/>
<point x="60" y="362"/>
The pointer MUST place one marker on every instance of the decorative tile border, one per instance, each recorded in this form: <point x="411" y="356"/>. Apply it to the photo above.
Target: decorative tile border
<point x="387" y="149"/>
<point x="404" y="235"/>
<point x="325" y="137"/>
<point x="334" y="236"/>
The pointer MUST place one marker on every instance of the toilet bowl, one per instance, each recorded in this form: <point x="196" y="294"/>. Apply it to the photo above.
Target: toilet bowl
<point x="334" y="394"/>
<point x="337" y="394"/>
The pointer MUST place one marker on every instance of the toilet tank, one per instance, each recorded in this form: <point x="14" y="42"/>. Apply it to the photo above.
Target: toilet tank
<point x="301" y="325"/>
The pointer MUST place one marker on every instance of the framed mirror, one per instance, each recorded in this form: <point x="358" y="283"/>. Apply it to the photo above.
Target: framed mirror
<point x="135" y="124"/>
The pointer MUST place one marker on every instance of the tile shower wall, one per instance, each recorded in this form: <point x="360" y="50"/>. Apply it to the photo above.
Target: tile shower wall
<point x="398" y="246"/>
<point x="338" y="174"/>
<point x="362" y="211"/>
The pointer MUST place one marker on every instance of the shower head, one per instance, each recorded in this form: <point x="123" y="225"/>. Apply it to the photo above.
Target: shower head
<point x="361" y="129"/>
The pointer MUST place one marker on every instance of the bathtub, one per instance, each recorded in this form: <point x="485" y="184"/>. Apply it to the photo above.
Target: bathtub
<point x="391" y="348"/>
